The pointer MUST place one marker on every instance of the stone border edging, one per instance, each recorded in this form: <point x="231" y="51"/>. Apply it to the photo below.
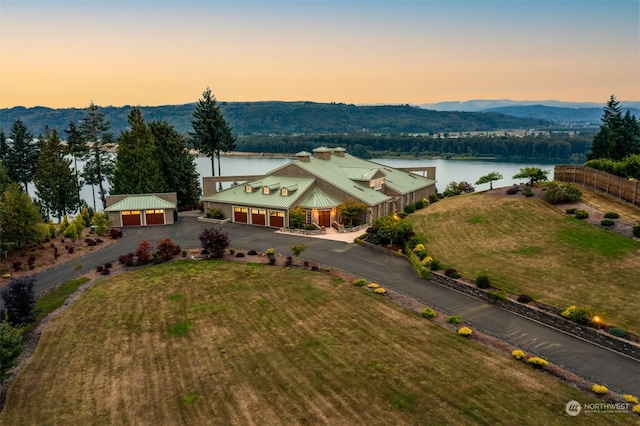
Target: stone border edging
<point x="556" y="321"/>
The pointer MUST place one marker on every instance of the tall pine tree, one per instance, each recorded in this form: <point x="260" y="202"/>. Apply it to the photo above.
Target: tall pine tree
<point x="137" y="168"/>
<point x="56" y="185"/>
<point x="618" y="136"/>
<point x="77" y="149"/>
<point x="21" y="159"/>
<point x="176" y="163"/>
<point x="99" y="165"/>
<point x="211" y="133"/>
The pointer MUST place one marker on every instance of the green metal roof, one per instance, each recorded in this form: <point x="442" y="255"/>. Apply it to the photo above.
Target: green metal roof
<point x="360" y="173"/>
<point x="140" y="202"/>
<point x="319" y="199"/>
<point x="238" y="195"/>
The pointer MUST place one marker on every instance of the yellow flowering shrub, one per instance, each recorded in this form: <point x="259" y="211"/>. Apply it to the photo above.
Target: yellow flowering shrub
<point x="537" y="362"/>
<point x="380" y="290"/>
<point x="636" y="409"/>
<point x="465" y="331"/>
<point x="373" y="285"/>
<point x="426" y="261"/>
<point x="517" y="354"/>
<point x="6" y="275"/>
<point x="599" y="389"/>
<point x="630" y="398"/>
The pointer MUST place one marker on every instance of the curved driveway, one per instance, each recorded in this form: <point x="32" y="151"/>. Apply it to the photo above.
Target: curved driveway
<point x="595" y="363"/>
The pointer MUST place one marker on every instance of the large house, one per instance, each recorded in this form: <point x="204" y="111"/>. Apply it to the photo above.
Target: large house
<point x="318" y="183"/>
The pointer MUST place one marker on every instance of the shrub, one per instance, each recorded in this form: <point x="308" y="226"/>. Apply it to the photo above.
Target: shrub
<point x="239" y="254"/>
<point x="428" y="313"/>
<point x="215" y="214"/>
<point x="465" y="331"/>
<point x="17" y="266"/>
<point x="232" y="250"/>
<point x="452" y="273"/>
<point x="512" y="190"/>
<point x="611" y="215"/>
<point x="167" y="249"/>
<point x="537" y="362"/>
<point x="252" y="252"/>
<point x="618" y="332"/>
<point x="524" y="298"/>
<point x="607" y="222"/>
<point x="564" y="193"/>
<point x="184" y="253"/>
<point x="20" y="300"/>
<point x="630" y="398"/>
<point x="483" y="281"/>
<point x="90" y="242"/>
<point x="11" y="346"/>
<point x="373" y="285"/>
<point x="580" y="315"/>
<point x="435" y="265"/>
<point x="528" y="192"/>
<point x="297" y="249"/>
<point x="599" y="389"/>
<point x="498" y="295"/>
<point x="214" y="241"/>
<point x="572" y="210"/>
<point x="143" y="252"/>
<point x="420" y="251"/>
<point x="517" y="354"/>
<point x="636" y="409"/>
<point x="380" y="290"/>
<point x="288" y="261"/>
<point x="581" y="214"/>
<point x="454" y="319"/>
<point x="636" y="231"/>
<point x="360" y="282"/>
<point x="270" y="252"/>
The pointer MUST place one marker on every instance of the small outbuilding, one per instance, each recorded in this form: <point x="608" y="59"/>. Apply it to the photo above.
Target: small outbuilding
<point x="142" y="209"/>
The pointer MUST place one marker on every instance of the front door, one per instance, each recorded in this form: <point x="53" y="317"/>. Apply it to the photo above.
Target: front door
<point x="324" y="218"/>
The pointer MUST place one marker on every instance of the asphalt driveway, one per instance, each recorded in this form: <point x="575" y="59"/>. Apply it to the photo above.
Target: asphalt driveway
<point x="593" y="362"/>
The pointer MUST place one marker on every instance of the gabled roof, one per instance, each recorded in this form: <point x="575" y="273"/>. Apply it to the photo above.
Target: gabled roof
<point x="318" y="199"/>
<point x="238" y="195"/>
<point x="140" y="202"/>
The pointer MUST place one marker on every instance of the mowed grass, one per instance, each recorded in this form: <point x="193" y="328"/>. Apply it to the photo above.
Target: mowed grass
<point x="234" y="343"/>
<point x="528" y="246"/>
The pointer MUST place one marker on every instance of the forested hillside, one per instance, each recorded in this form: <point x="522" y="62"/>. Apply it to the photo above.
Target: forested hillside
<point x="286" y="118"/>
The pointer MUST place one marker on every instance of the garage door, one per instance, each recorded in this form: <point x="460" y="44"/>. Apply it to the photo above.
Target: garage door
<point x="154" y="217"/>
<point x="276" y="219"/>
<point x="240" y="214"/>
<point x="258" y="217"/>
<point x="130" y="217"/>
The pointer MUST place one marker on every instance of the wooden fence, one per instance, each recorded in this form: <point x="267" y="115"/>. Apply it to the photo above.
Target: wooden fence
<point x="616" y="186"/>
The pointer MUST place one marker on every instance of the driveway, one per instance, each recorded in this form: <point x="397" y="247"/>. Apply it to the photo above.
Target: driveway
<point x="593" y="362"/>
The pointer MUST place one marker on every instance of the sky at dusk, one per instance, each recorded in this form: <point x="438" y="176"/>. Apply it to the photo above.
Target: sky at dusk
<point x="70" y="53"/>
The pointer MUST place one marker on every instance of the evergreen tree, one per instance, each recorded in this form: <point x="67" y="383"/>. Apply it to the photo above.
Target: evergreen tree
<point x="4" y="147"/>
<point x="618" y="136"/>
<point x="137" y="168"/>
<point x="4" y="178"/>
<point x="77" y="148"/>
<point x="11" y="346"/>
<point x="99" y="165"/>
<point x="20" y="301"/>
<point x="177" y="164"/>
<point x="56" y="184"/>
<point x="22" y="155"/>
<point x="19" y="217"/>
<point x="211" y="133"/>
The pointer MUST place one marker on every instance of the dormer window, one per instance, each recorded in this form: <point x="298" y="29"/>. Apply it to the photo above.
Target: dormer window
<point x="376" y="184"/>
<point x="247" y="188"/>
<point x="285" y="192"/>
<point x="265" y="190"/>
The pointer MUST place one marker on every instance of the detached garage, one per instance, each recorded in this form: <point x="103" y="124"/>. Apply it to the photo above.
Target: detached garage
<point x="142" y="209"/>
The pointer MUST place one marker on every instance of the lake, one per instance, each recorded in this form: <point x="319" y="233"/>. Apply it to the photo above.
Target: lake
<point x="446" y="170"/>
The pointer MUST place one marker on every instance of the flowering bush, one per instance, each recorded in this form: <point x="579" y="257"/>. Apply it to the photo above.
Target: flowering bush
<point x="630" y="398"/>
<point x="420" y="251"/>
<point x="380" y="290"/>
<point x="537" y="362"/>
<point x="428" y="313"/>
<point x="465" y="331"/>
<point x="636" y="409"/>
<point x="373" y="285"/>
<point x="426" y="261"/>
<point x="517" y="354"/>
<point x="360" y="282"/>
<point x="599" y="389"/>
<point x="270" y="252"/>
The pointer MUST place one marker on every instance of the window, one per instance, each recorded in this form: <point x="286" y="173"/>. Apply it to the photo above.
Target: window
<point x="240" y="209"/>
<point x="265" y="190"/>
<point x="285" y="191"/>
<point x="376" y="183"/>
<point x="247" y="188"/>
<point x="153" y="211"/>
<point x="309" y="218"/>
<point x="130" y="212"/>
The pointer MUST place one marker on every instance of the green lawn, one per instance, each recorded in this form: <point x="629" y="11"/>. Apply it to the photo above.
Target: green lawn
<point x="214" y="342"/>
<point x="528" y="246"/>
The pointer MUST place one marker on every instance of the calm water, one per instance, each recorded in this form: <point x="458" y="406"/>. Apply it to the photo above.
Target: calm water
<point x="446" y="170"/>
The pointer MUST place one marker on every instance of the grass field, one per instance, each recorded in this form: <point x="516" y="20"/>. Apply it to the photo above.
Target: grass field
<point x="214" y="342"/>
<point x="528" y="246"/>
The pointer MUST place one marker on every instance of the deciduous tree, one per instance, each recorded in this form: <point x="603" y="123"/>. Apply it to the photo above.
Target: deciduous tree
<point x="20" y="300"/>
<point x="534" y="174"/>
<point x="351" y="209"/>
<point x="489" y="178"/>
<point x="214" y="241"/>
<point x="11" y="346"/>
<point x="20" y="219"/>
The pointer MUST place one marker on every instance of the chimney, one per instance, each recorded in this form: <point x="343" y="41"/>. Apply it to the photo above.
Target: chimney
<point x="322" y="153"/>
<point x="304" y="156"/>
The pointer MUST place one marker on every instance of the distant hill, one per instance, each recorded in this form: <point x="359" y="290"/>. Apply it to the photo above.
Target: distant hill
<point x="287" y="118"/>
<point x="554" y="111"/>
